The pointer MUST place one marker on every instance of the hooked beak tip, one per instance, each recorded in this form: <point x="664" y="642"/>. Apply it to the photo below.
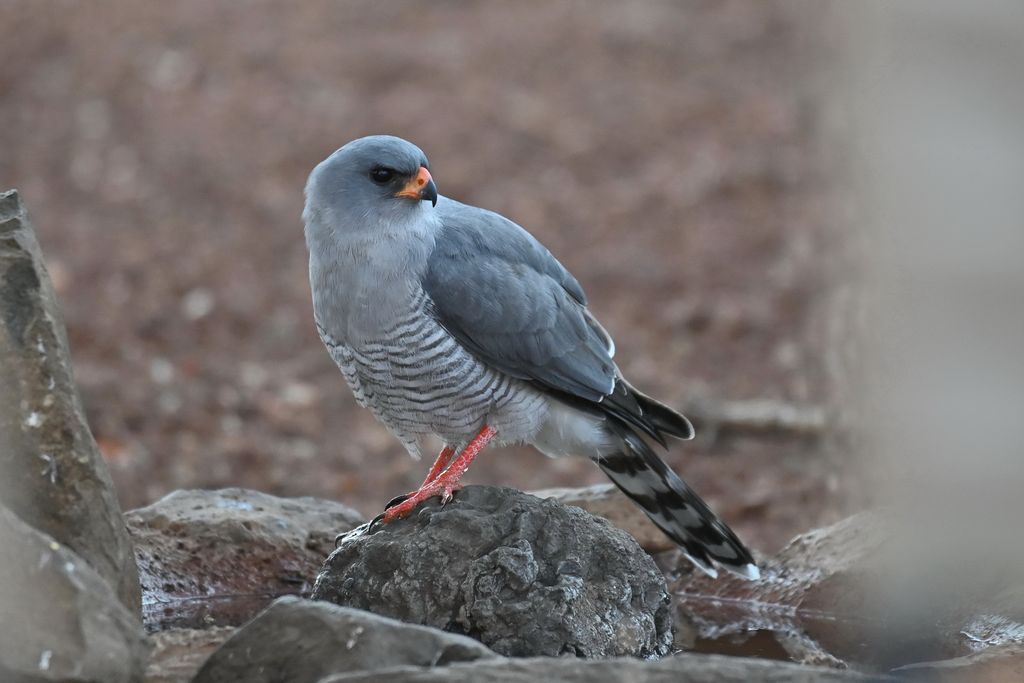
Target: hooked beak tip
<point x="421" y="187"/>
<point x="429" y="191"/>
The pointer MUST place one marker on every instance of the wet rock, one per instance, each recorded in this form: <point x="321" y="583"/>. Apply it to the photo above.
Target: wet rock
<point x="302" y="641"/>
<point x="219" y="557"/>
<point x="604" y="500"/>
<point x="835" y="596"/>
<point x="798" y="602"/>
<point x="51" y="472"/>
<point x="59" y="619"/>
<point x="525" y="576"/>
<point x="179" y="653"/>
<point x="688" y="668"/>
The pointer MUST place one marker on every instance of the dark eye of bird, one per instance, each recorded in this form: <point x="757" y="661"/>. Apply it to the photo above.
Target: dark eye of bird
<point x="381" y="175"/>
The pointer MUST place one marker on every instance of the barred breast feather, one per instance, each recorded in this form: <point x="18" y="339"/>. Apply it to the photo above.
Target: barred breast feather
<point x="417" y="379"/>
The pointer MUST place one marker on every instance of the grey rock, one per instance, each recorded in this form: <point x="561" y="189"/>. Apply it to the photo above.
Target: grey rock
<point x="525" y="576"/>
<point x="605" y="500"/>
<point x="219" y="557"/>
<point x="179" y="653"/>
<point x="834" y="596"/>
<point x="51" y="472"/>
<point x="997" y="664"/>
<point x="798" y="607"/>
<point x="59" y="619"/>
<point x="302" y="641"/>
<point x="688" y="668"/>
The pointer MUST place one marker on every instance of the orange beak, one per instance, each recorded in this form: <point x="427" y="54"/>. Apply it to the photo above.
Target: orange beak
<point x="420" y="187"/>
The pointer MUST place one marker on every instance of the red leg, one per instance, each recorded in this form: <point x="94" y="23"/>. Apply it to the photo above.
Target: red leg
<point x="440" y="465"/>
<point x="443" y="458"/>
<point x="445" y="483"/>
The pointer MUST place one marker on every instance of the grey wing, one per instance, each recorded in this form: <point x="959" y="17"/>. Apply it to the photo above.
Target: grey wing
<point x="504" y="297"/>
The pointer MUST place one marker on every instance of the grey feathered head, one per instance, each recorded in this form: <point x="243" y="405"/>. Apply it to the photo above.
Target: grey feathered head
<point x="376" y="178"/>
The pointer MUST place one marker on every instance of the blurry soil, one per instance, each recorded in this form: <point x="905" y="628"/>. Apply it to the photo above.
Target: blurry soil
<point x="662" y="150"/>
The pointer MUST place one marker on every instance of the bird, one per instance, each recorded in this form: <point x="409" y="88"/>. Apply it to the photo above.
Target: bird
<point x="451" y="321"/>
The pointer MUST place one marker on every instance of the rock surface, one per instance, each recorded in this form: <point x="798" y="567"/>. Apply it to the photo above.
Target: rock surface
<point x="59" y="619"/>
<point x="218" y="557"/>
<point x="179" y="653"/>
<point x="525" y="576"/>
<point x="604" y="500"/>
<point x="834" y="597"/>
<point x="302" y="641"/>
<point x="997" y="665"/>
<point x="51" y="472"/>
<point x="799" y="600"/>
<point x="688" y="668"/>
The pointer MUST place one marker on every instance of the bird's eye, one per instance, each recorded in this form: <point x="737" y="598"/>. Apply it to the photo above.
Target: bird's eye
<point x="381" y="175"/>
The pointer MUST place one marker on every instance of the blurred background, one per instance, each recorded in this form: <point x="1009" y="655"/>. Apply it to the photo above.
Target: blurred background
<point x="667" y="152"/>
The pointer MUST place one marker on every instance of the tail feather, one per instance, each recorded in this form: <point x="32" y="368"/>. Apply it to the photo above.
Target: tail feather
<point x="679" y="512"/>
<point x="664" y="418"/>
<point x="639" y="411"/>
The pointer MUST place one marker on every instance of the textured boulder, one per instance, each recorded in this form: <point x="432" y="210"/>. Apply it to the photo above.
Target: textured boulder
<point x="51" y="472"/>
<point x="302" y="641"/>
<point x="59" y="619"/>
<point x="525" y="576"/>
<point x="220" y="556"/>
<point x="688" y="668"/>
<point x="605" y="500"/>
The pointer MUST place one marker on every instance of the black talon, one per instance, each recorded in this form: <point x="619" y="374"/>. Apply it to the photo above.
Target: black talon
<point x="397" y="500"/>
<point x="370" y="528"/>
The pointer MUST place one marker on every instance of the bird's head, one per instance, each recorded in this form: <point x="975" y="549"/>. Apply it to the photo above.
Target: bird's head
<point x="380" y="178"/>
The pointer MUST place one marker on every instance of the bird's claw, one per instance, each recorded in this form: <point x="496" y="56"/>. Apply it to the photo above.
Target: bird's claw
<point x="398" y="500"/>
<point x="403" y="506"/>
<point x="375" y="523"/>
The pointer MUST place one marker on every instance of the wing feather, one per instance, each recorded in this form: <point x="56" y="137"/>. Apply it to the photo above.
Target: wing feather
<point x="509" y="301"/>
<point x="504" y="297"/>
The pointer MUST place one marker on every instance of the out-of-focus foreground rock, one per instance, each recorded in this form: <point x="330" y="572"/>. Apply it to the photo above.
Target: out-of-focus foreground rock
<point x="687" y="668"/>
<point x="61" y="621"/>
<point x="218" y="557"/>
<point x="303" y="641"/>
<point x="51" y="473"/>
<point x="525" y="576"/>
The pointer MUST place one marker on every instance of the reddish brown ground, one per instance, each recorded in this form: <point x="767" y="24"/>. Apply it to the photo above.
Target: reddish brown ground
<point x="661" y="149"/>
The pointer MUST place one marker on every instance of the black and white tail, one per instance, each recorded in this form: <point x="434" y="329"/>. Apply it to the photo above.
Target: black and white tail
<point x="671" y="504"/>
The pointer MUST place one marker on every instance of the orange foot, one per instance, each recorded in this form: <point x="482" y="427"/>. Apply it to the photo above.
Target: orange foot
<point x="412" y="501"/>
<point x="444" y="483"/>
<point x="440" y="465"/>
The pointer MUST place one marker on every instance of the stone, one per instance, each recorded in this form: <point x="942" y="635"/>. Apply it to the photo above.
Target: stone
<point x="996" y="665"/>
<point x="850" y="594"/>
<point x="798" y="600"/>
<point x="219" y="557"/>
<point x="523" y="575"/>
<point x="604" y="500"/>
<point x="59" y="619"/>
<point x="51" y="472"/>
<point x="685" y="668"/>
<point x="302" y="641"/>
<point x="178" y="653"/>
